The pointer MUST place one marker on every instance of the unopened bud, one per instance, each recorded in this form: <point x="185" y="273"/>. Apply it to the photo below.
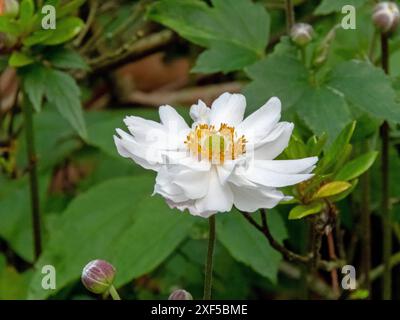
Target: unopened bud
<point x="9" y="8"/>
<point x="98" y="276"/>
<point x="386" y="16"/>
<point x="302" y="34"/>
<point x="180" y="295"/>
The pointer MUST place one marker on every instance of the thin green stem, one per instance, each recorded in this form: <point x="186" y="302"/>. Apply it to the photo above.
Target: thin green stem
<point x="385" y="206"/>
<point x="209" y="259"/>
<point x="290" y="20"/>
<point x="366" y="225"/>
<point x="303" y="54"/>
<point x="377" y="272"/>
<point x="33" y="176"/>
<point x="113" y="293"/>
<point x="93" y="6"/>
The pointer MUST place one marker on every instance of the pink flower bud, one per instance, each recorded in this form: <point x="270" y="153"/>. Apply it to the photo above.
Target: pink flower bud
<point x="9" y="8"/>
<point x="180" y="295"/>
<point x="386" y="16"/>
<point x="98" y="276"/>
<point x="301" y="34"/>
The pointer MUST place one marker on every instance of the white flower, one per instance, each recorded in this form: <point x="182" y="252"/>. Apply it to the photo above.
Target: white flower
<point x="221" y="161"/>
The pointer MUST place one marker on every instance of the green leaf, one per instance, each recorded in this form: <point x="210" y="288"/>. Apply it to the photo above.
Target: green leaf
<point x="247" y="245"/>
<point x="316" y="145"/>
<point x="236" y="32"/>
<point x="367" y="87"/>
<point x="64" y="58"/>
<point x="329" y="6"/>
<point x="278" y="75"/>
<point x="20" y="59"/>
<point x="63" y="92"/>
<point x="15" y="214"/>
<point x="357" y="167"/>
<point x="37" y="37"/>
<point x="34" y="79"/>
<point x="9" y="26"/>
<point x="302" y="211"/>
<point x="344" y="194"/>
<point x="332" y="189"/>
<point x="66" y="29"/>
<point x="324" y="111"/>
<point x="69" y="8"/>
<point x="57" y="140"/>
<point x="13" y="285"/>
<point x="337" y="149"/>
<point x="117" y="221"/>
<point x="296" y="148"/>
<point x="224" y="57"/>
<point x="27" y="9"/>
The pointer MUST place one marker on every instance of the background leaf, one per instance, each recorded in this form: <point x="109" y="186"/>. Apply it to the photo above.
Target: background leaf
<point x="329" y="6"/>
<point x="331" y="189"/>
<point x="324" y="111"/>
<point x="20" y="59"/>
<point x="357" y="167"/>
<point x="248" y="245"/>
<point x="63" y="93"/>
<point x="116" y="221"/>
<point x="66" y="29"/>
<point x="235" y="31"/>
<point x="64" y="58"/>
<point x="367" y="87"/>
<point x="302" y="211"/>
<point x="283" y="76"/>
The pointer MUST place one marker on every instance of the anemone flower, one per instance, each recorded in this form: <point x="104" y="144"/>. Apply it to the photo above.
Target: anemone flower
<point x="222" y="160"/>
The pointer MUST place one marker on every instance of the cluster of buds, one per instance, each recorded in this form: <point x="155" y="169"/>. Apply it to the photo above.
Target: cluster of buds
<point x="302" y="34"/>
<point x="9" y="8"/>
<point x="386" y="16"/>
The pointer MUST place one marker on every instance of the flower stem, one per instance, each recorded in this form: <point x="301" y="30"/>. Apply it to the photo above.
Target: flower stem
<point x="332" y="255"/>
<point x="386" y="223"/>
<point x="289" y="15"/>
<point x="209" y="259"/>
<point x="366" y="226"/>
<point x="114" y="294"/>
<point x="33" y="176"/>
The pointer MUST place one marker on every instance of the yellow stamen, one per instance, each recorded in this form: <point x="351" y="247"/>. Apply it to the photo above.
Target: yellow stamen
<point x="205" y="142"/>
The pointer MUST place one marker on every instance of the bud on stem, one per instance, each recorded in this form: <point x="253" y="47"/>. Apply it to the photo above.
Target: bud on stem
<point x="98" y="277"/>
<point x="180" y="295"/>
<point x="9" y="8"/>
<point x="302" y="34"/>
<point x="386" y="16"/>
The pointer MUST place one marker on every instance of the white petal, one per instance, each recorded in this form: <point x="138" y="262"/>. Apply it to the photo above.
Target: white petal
<point x="194" y="184"/>
<point x="262" y="121"/>
<point x="140" y="128"/>
<point x="272" y="149"/>
<point x="200" y="113"/>
<point x="182" y="206"/>
<point x="288" y="166"/>
<point x="219" y="198"/>
<point x="268" y="178"/>
<point x="149" y="157"/>
<point x="194" y="164"/>
<point x="225" y="170"/>
<point x="165" y="188"/>
<point x="204" y="214"/>
<point x="252" y="199"/>
<point x="153" y="133"/>
<point x="229" y="109"/>
<point x="171" y="119"/>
